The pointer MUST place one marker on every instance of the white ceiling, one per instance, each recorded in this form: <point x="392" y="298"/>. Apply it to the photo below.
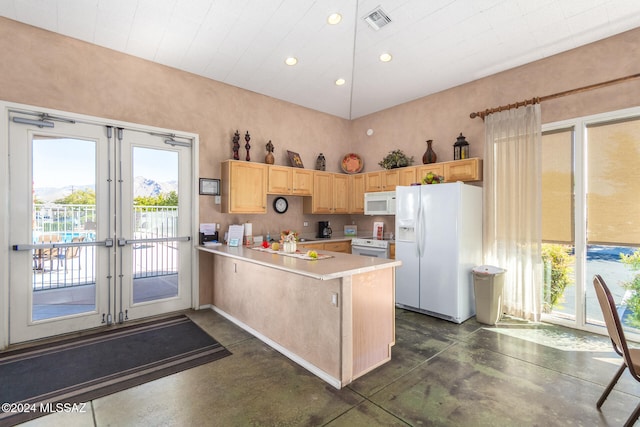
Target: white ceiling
<point x="436" y="44"/>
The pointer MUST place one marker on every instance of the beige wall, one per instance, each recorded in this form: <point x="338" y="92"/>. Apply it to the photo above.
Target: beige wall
<point x="41" y="68"/>
<point x="442" y="116"/>
<point x="44" y="69"/>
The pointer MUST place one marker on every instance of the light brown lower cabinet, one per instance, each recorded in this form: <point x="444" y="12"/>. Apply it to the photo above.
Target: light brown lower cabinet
<point x="340" y="246"/>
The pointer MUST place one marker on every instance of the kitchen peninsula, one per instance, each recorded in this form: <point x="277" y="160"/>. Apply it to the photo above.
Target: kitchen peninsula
<point x="334" y="316"/>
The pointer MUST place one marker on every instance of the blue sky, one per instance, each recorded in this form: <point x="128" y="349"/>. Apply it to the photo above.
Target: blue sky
<point x="63" y="162"/>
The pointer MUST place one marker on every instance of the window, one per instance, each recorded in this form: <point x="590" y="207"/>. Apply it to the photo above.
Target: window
<point x="591" y="216"/>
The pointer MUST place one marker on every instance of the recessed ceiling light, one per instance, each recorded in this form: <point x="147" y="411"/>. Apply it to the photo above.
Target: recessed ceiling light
<point x="340" y="82"/>
<point x="385" y="57"/>
<point x="292" y="60"/>
<point x="334" y="19"/>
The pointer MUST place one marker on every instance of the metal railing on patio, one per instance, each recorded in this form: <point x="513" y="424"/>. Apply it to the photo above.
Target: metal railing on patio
<point x="75" y="265"/>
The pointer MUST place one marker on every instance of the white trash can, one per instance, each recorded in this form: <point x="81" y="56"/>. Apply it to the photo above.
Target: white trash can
<point x="488" y="283"/>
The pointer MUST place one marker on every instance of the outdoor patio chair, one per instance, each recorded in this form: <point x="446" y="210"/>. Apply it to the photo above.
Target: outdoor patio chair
<point x="41" y="256"/>
<point x="630" y="356"/>
<point x="71" y="252"/>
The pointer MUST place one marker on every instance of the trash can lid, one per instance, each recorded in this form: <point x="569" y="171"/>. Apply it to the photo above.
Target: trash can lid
<point x="488" y="269"/>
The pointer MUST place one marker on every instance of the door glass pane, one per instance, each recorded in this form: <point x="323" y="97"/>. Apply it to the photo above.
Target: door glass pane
<point x="64" y="211"/>
<point x="613" y="217"/>
<point x="558" y="248"/>
<point x="155" y="210"/>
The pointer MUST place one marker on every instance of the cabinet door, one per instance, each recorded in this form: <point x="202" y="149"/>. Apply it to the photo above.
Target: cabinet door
<point x="303" y="247"/>
<point x="244" y="188"/>
<point x="390" y="180"/>
<point x="463" y="170"/>
<point x="356" y="193"/>
<point x="344" y="247"/>
<point x="302" y="182"/>
<point x="280" y="178"/>
<point x="340" y="194"/>
<point x="373" y="181"/>
<point x="322" y="192"/>
<point x="434" y="168"/>
<point x="407" y="176"/>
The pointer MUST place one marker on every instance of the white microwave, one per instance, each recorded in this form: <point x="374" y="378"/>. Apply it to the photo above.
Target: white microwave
<point x="381" y="203"/>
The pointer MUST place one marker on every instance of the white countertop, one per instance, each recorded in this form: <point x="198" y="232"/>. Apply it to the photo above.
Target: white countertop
<point x="340" y="265"/>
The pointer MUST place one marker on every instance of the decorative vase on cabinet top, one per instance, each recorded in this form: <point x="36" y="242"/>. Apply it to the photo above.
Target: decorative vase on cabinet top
<point x="321" y="163"/>
<point x="269" y="159"/>
<point x="429" y="155"/>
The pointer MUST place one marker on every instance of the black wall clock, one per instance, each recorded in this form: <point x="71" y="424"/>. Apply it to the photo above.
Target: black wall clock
<point x="280" y="205"/>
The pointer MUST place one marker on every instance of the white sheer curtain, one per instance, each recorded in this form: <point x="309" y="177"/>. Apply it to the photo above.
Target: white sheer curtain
<point x="512" y="206"/>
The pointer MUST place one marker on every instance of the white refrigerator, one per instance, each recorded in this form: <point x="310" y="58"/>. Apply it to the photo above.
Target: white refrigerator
<point x="439" y="241"/>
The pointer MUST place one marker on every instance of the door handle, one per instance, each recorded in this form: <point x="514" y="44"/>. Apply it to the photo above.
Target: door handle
<point x="30" y="247"/>
<point x="122" y="241"/>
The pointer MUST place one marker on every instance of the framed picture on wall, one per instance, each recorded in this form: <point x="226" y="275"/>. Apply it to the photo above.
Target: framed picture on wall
<point x="295" y="159"/>
<point x="209" y="187"/>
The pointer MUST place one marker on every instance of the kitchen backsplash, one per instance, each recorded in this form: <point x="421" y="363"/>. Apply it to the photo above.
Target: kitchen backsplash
<point x="293" y="219"/>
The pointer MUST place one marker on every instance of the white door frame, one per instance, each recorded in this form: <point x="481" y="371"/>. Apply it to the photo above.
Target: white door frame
<point x="5" y="243"/>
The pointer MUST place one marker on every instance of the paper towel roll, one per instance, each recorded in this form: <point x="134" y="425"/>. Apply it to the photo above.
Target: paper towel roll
<point x="248" y="229"/>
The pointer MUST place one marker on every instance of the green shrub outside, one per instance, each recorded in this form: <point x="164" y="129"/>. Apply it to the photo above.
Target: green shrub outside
<point x="633" y="302"/>
<point x="558" y="263"/>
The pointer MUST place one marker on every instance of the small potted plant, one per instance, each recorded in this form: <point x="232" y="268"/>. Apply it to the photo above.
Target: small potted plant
<point x="396" y="159"/>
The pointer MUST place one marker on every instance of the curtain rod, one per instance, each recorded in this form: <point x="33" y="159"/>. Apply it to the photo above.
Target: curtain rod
<point x="536" y="100"/>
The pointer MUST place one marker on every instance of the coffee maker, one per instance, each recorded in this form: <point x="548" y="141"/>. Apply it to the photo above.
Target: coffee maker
<point x="324" y="231"/>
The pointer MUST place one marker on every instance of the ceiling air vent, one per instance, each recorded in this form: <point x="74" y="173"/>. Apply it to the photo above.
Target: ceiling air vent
<point x="377" y="18"/>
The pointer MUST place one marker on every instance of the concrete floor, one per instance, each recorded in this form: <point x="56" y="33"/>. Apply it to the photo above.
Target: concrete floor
<point x="441" y="374"/>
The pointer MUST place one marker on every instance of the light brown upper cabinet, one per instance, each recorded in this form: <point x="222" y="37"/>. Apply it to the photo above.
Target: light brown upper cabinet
<point x="321" y="202"/>
<point x="288" y="180"/>
<point x="340" y="194"/>
<point x="330" y="194"/>
<point x="434" y="168"/>
<point x="373" y="181"/>
<point x="406" y="176"/>
<point x="356" y="193"/>
<point x="244" y="187"/>
<point x="302" y="182"/>
<point x="463" y="170"/>
<point x="390" y="179"/>
<point x="280" y="180"/>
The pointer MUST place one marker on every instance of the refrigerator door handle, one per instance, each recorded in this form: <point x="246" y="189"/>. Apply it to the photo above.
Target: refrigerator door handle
<point x="418" y="230"/>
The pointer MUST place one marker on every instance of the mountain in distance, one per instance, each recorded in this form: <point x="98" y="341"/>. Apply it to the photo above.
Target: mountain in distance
<point x="141" y="187"/>
<point x="50" y="194"/>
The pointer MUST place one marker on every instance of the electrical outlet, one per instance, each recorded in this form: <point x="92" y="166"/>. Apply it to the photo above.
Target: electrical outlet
<point x="305" y="224"/>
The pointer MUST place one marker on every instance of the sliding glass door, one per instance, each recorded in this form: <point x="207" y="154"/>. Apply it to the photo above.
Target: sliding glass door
<point x="100" y="223"/>
<point x="591" y="217"/>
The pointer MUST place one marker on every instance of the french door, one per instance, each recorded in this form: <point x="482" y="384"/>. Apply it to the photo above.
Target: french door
<point x="100" y="223"/>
